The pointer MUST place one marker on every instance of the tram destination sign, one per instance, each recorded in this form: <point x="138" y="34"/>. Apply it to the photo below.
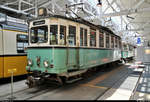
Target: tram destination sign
<point x="39" y="22"/>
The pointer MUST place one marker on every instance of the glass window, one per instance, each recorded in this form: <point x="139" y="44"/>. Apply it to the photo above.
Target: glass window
<point x="53" y="34"/>
<point x="39" y="34"/>
<point x="116" y="42"/>
<point x="85" y="37"/>
<point x="101" y="39"/>
<point x="81" y="36"/>
<point x="120" y="44"/>
<point x="72" y="35"/>
<point x="107" y="40"/>
<point x="130" y="48"/>
<point x="112" y="41"/>
<point x="62" y="35"/>
<point x="92" y="37"/>
<point x="22" y="43"/>
<point x="124" y="47"/>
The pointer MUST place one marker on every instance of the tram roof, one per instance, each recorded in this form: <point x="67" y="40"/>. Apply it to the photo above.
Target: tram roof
<point x="80" y="20"/>
<point x="14" y="26"/>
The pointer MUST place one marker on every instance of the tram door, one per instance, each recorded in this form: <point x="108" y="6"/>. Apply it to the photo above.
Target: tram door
<point x="1" y="53"/>
<point x="72" y="51"/>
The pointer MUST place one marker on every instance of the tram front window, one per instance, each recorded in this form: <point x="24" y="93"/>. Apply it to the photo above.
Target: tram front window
<point x="53" y="34"/>
<point x="39" y="34"/>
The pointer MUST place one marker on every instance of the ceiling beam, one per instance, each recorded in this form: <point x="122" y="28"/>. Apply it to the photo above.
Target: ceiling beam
<point x="114" y="10"/>
<point x="27" y="2"/>
<point x="11" y="3"/>
<point x="126" y="12"/>
<point x="139" y="29"/>
<point x="138" y="4"/>
<point x="109" y="6"/>
<point x="137" y="22"/>
<point x="14" y="10"/>
<point x="148" y="22"/>
<point x="28" y="9"/>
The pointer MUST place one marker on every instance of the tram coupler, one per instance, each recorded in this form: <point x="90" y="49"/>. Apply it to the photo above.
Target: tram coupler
<point x="33" y="81"/>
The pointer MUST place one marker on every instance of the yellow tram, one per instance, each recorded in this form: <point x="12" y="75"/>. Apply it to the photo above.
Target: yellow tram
<point x="13" y="41"/>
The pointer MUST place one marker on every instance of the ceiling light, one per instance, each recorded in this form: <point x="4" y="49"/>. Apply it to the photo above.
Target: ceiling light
<point x="99" y="3"/>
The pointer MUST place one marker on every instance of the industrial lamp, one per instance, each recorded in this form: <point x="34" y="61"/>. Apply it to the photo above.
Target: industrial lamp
<point x="99" y="3"/>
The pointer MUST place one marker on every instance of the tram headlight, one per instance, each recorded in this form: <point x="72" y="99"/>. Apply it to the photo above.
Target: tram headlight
<point x="30" y="62"/>
<point x="46" y="64"/>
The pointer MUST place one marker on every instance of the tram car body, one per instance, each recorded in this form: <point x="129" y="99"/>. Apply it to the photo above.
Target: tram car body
<point x="61" y="47"/>
<point x="128" y="51"/>
<point x="13" y="40"/>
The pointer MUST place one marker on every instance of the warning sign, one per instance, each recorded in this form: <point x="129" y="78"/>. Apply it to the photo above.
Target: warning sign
<point x="12" y="70"/>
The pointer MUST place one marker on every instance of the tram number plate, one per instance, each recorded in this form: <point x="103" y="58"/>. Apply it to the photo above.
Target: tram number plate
<point x="12" y="70"/>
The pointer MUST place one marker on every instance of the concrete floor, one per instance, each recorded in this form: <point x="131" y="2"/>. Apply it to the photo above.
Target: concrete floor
<point x="123" y="89"/>
<point x="113" y="84"/>
<point x="143" y="89"/>
<point x="6" y="88"/>
<point x="97" y="89"/>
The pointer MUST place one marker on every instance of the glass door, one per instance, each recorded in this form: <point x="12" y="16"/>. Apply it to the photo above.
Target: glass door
<point x="72" y="50"/>
<point x="1" y="53"/>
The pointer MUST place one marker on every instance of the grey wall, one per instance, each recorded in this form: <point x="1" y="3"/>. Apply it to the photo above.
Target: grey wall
<point x="140" y="53"/>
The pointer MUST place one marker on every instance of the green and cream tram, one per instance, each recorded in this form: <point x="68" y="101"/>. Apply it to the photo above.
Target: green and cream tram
<point x="61" y="48"/>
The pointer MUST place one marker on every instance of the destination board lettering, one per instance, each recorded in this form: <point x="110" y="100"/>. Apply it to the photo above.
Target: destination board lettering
<point x="39" y="22"/>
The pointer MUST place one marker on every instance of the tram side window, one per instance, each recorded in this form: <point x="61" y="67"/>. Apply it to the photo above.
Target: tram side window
<point x="85" y="37"/>
<point x="130" y="48"/>
<point x="120" y="44"/>
<point x="116" y="42"/>
<point x="53" y="34"/>
<point x="92" y="37"/>
<point x="107" y="40"/>
<point x="112" y="41"/>
<point x="81" y="36"/>
<point x="22" y="43"/>
<point x="72" y="35"/>
<point x="62" y="35"/>
<point x="101" y="39"/>
<point x="125" y="47"/>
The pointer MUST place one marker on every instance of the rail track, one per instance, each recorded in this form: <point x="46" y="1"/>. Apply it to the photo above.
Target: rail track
<point x="29" y="93"/>
<point x="36" y="92"/>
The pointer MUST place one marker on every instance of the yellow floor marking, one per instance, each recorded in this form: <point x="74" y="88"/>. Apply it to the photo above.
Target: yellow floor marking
<point x="94" y="86"/>
<point x="102" y="77"/>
